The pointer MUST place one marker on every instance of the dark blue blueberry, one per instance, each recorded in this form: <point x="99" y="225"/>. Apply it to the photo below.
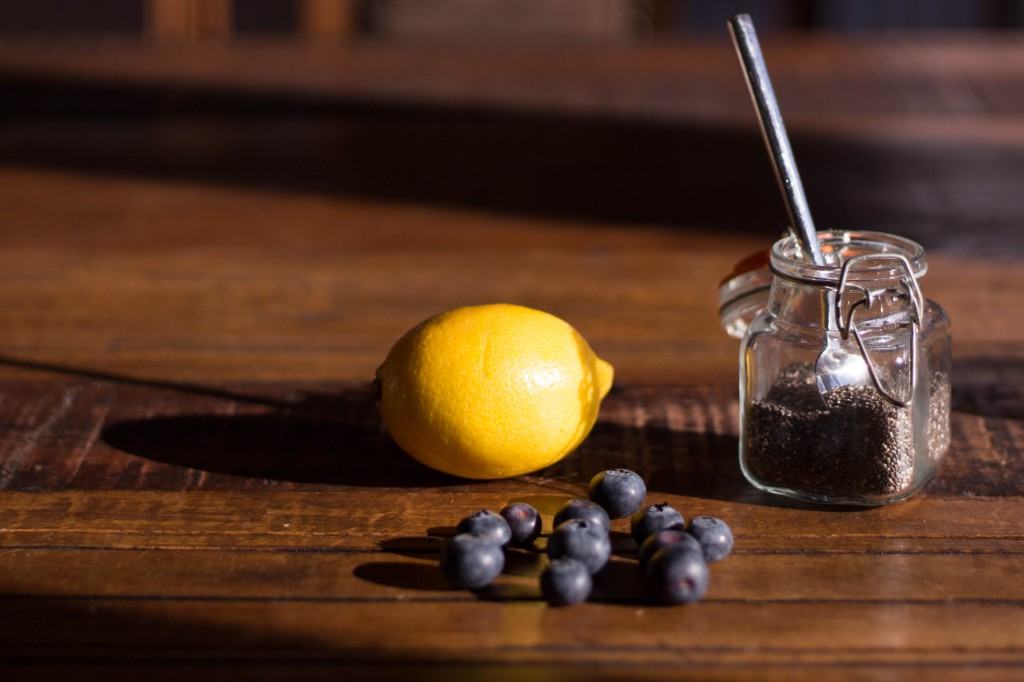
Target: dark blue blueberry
<point x="664" y="538"/>
<point x="471" y="561"/>
<point x="486" y="524"/>
<point x="714" y="536"/>
<point x="619" y="491"/>
<point x="565" y="582"/>
<point x="582" y="540"/>
<point x="524" y="522"/>
<point x="651" y="519"/>
<point x="583" y="509"/>
<point x="676" y="575"/>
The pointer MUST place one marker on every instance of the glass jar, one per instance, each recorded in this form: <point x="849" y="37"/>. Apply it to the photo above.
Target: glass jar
<point x="844" y="371"/>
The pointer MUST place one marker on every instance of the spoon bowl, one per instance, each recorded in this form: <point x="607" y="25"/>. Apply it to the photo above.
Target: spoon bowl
<point x="838" y="367"/>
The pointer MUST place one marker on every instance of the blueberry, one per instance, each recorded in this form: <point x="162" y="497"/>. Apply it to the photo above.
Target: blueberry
<point x="471" y="561"/>
<point x="583" y="509"/>
<point x="665" y="538"/>
<point x="676" y="575"/>
<point x="565" y="582"/>
<point x="654" y="518"/>
<point x="523" y="521"/>
<point x="582" y="540"/>
<point x="486" y="524"/>
<point x="619" y="491"/>
<point x="714" y="536"/>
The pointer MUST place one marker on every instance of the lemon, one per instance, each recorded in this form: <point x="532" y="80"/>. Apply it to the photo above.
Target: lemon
<point x="491" y="391"/>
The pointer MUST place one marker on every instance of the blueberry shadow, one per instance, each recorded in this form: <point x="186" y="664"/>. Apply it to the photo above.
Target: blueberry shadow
<point x="523" y="562"/>
<point x="415" y="546"/>
<point x="620" y="582"/>
<point x="403" y="575"/>
<point x="518" y="581"/>
<point x="329" y="439"/>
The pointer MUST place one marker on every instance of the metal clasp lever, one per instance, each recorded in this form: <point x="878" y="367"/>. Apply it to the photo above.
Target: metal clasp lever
<point x="846" y="323"/>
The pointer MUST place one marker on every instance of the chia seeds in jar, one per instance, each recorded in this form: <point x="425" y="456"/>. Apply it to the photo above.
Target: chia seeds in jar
<point x="874" y="440"/>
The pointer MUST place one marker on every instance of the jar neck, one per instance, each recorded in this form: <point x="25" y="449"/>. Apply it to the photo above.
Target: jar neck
<point x="800" y="304"/>
<point x="859" y="266"/>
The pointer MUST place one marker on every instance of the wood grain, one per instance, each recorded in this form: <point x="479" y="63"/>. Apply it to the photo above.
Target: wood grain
<point x="205" y="252"/>
<point x="324" y="573"/>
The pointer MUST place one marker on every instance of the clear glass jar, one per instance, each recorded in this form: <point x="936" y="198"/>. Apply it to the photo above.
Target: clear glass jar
<point x="872" y="431"/>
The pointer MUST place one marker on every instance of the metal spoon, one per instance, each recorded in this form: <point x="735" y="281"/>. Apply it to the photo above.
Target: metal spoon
<point x="835" y="366"/>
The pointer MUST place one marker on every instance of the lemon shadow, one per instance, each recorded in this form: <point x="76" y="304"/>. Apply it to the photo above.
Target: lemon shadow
<point x="326" y="440"/>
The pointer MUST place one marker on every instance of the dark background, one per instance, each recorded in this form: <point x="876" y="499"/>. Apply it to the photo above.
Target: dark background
<point x="644" y="17"/>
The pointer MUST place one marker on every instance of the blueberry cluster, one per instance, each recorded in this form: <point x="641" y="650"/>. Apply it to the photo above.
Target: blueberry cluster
<point x="475" y="556"/>
<point x="674" y="556"/>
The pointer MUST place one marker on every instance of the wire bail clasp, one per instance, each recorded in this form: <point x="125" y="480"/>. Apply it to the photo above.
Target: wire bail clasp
<point x="847" y="326"/>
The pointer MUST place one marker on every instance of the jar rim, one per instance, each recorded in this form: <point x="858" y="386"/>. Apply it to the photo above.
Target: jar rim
<point x="787" y="259"/>
<point x="744" y="291"/>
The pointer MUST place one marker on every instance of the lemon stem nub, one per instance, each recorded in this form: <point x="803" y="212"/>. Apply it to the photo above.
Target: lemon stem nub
<point x="605" y="376"/>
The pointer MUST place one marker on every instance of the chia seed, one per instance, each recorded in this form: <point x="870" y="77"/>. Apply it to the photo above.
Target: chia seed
<point x="849" y="441"/>
<point x="938" y="416"/>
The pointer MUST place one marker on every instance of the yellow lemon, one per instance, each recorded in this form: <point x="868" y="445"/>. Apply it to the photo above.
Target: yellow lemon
<point x="491" y="391"/>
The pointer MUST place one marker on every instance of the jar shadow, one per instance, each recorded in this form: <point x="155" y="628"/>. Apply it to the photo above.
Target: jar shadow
<point x="690" y="463"/>
<point x="988" y="386"/>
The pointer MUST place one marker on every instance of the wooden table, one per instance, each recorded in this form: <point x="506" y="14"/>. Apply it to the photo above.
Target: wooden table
<point x="206" y="251"/>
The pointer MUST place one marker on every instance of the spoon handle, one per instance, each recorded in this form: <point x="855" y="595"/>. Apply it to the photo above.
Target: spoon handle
<point x="748" y="49"/>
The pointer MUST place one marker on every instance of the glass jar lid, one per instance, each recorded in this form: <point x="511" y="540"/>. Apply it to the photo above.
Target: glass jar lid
<point x="743" y="293"/>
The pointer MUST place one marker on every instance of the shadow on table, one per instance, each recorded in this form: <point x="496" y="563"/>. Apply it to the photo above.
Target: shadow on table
<point x="549" y="164"/>
<point x="305" y="437"/>
<point x="282" y="436"/>
<point x="268" y="433"/>
<point x="43" y="632"/>
<point x="339" y="440"/>
<point x="321" y="439"/>
<point x="989" y="386"/>
<point x="336" y="439"/>
<point x="326" y="440"/>
<point x="598" y="168"/>
<point x="988" y="410"/>
<point x="158" y="639"/>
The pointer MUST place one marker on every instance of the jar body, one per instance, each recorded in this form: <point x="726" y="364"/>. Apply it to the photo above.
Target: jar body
<point x="877" y="438"/>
